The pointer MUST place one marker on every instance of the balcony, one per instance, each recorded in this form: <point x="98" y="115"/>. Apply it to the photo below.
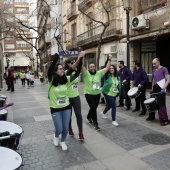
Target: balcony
<point x="113" y="31"/>
<point x="84" y="3"/>
<point x="71" y="12"/>
<point x="72" y="44"/>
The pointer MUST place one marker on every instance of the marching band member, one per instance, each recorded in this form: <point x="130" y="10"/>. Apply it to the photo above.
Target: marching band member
<point x="125" y="76"/>
<point x="140" y="80"/>
<point x="161" y="79"/>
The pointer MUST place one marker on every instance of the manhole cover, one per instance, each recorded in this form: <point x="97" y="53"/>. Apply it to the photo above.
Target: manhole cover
<point x="156" y="139"/>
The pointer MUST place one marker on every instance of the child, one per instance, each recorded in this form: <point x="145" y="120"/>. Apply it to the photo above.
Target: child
<point x="32" y="79"/>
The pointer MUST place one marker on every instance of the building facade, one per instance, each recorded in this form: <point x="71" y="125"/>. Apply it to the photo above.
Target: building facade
<point x="150" y="33"/>
<point x="16" y="51"/>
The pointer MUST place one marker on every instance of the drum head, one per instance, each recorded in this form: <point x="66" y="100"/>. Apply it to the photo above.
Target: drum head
<point x="3" y="112"/>
<point x="10" y="127"/>
<point x="132" y="91"/>
<point x="3" y="96"/>
<point x="150" y="100"/>
<point x="9" y="159"/>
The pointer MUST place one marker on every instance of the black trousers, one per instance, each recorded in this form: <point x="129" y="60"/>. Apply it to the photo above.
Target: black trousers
<point x="140" y="100"/>
<point x="11" y="80"/>
<point x="93" y="102"/>
<point x="23" y="82"/>
<point x="76" y="105"/>
<point x="125" y="89"/>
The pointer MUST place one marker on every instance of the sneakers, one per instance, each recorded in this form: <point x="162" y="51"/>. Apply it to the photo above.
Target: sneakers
<point x="135" y="110"/>
<point x="96" y="127"/>
<point x="115" y="123"/>
<point x="71" y="132"/>
<point x="90" y="121"/>
<point x="81" y="137"/>
<point x="56" y="141"/>
<point x="63" y="146"/>
<point x="103" y="115"/>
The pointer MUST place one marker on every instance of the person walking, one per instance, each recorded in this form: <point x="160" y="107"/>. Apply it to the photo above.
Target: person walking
<point x="7" y="79"/>
<point x="59" y="101"/>
<point x="27" y="77"/>
<point x="125" y="77"/>
<point x="11" y="79"/>
<point x="22" y="77"/>
<point x="160" y="74"/>
<point x="111" y="89"/>
<point x="74" y="98"/>
<point x="92" y="90"/>
<point x="32" y="79"/>
<point x="41" y="76"/>
<point x="139" y="79"/>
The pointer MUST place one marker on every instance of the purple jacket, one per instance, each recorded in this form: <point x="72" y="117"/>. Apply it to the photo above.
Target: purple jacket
<point x="140" y="77"/>
<point x="125" y="74"/>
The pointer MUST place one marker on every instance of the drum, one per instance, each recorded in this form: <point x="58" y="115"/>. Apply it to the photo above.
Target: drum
<point x="12" y="128"/>
<point x="2" y="100"/>
<point x="150" y="105"/>
<point x="134" y="93"/>
<point x="9" y="159"/>
<point x="3" y="114"/>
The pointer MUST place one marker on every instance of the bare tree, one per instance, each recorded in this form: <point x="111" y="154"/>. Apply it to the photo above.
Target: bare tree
<point x="104" y="7"/>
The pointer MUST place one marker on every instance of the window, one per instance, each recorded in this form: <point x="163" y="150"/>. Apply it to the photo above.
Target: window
<point x="9" y="46"/>
<point x="8" y="1"/>
<point x="65" y="35"/>
<point x="20" y="0"/>
<point x="90" y="29"/>
<point x="152" y="4"/>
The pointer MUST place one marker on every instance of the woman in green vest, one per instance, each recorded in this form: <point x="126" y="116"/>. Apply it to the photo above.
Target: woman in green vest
<point x="59" y="101"/>
<point x="22" y="77"/>
<point x="111" y="89"/>
<point x="73" y="94"/>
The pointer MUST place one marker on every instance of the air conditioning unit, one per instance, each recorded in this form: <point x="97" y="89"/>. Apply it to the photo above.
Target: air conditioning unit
<point x="140" y="22"/>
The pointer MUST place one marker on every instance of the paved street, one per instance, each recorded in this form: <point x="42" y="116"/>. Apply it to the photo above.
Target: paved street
<point x="134" y="145"/>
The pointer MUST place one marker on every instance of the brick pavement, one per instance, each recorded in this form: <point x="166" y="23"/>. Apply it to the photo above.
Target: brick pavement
<point x="127" y="147"/>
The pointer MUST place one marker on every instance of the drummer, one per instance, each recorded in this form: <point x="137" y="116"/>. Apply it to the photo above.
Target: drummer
<point x="139" y="79"/>
<point x="125" y="76"/>
<point x="161" y="79"/>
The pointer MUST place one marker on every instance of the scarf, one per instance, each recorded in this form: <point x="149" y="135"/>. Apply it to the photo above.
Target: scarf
<point x="59" y="79"/>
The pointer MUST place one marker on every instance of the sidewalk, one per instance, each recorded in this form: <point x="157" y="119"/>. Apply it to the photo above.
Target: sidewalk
<point x="134" y="145"/>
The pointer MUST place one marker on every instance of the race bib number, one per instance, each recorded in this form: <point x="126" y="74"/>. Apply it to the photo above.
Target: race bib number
<point x="75" y="86"/>
<point x="96" y="86"/>
<point x="115" y="90"/>
<point x="61" y="101"/>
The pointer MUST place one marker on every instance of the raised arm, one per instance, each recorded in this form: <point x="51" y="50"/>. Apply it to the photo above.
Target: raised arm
<point x="77" y="73"/>
<point x="52" y="66"/>
<point x="106" y="69"/>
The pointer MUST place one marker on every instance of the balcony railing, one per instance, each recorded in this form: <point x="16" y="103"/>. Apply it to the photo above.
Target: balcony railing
<point x="84" y="3"/>
<point x="71" y="12"/>
<point x="72" y="44"/>
<point x="113" y="30"/>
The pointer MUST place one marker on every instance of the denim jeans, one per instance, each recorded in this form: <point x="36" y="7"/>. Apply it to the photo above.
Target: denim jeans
<point x="111" y="103"/>
<point x="61" y="123"/>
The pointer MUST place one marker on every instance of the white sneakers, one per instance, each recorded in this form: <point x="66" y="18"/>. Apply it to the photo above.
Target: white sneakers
<point x="56" y="141"/>
<point x="115" y="123"/>
<point x="103" y="115"/>
<point x="63" y="146"/>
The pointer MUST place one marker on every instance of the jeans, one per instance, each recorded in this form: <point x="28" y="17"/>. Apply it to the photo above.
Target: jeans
<point x="76" y="104"/>
<point x="111" y="103"/>
<point x="61" y="123"/>
<point x="93" y="102"/>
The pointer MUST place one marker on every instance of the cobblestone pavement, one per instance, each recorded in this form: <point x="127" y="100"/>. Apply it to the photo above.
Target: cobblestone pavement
<point x="134" y="145"/>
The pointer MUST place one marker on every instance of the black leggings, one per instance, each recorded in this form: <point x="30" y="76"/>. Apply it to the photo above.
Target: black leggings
<point x="28" y="82"/>
<point x="76" y="104"/>
<point x="93" y="102"/>
<point x="23" y="82"/>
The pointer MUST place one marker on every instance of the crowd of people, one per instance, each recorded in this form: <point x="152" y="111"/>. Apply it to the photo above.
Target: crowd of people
<point x="108" y="82"/>
<point x="26" y="77"/>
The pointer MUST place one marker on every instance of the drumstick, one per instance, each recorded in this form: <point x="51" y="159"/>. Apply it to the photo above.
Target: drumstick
<point x="6" y="105"/>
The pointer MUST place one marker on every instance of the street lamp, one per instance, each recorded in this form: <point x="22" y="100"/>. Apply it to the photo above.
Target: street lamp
<point x="127" y="8"/>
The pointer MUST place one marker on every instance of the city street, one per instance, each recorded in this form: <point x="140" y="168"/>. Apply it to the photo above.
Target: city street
<point x="134" y="145"/>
